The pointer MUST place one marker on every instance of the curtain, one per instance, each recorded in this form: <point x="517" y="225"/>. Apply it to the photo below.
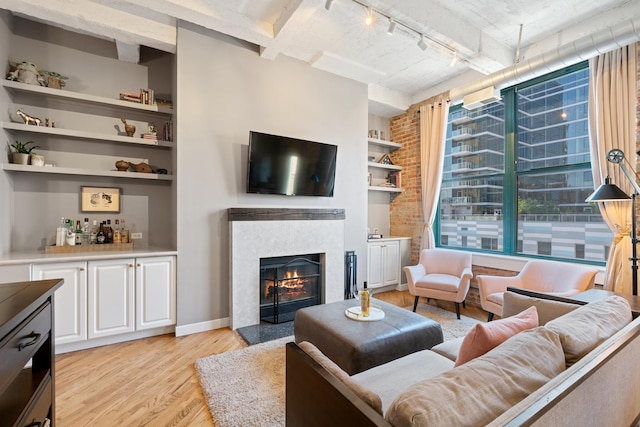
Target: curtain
<point x="433" y="131"/>
<point x="612" y="124"/>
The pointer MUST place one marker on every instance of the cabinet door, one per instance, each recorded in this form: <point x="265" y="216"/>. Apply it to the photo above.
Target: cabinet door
<point x="70" y="300"/>
<point x="155" y="292"/>
<point x="375" y="265"/>
<point x="111" y="299"/>
<point x="391" y="259"/>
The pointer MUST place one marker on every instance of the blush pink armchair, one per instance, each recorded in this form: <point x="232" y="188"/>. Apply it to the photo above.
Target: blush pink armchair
<point x="552" y="277"/>
<point x="442" y="274"/>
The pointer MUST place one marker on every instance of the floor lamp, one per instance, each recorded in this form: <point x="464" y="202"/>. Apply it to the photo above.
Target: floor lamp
<point x="611" y="192"/>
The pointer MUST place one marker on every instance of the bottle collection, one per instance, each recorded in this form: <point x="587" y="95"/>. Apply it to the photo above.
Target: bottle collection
<point x="72" y="233"/>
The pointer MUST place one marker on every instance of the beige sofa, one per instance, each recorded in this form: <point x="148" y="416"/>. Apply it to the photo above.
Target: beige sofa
<point x="580" y="368"/>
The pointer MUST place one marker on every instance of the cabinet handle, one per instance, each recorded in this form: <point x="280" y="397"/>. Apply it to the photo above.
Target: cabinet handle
<point x="81" y="269"/>
<point x="130" y="265"/>
<point x="35" y="339"/>
<point x="139" y="265"/>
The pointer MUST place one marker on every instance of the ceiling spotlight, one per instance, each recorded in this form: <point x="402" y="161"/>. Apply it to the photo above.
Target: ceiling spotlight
<point x="369" y="19"/>
<point x="422" y="44"/>
<point x="328" y="4"/>
<point x="392" y="27"/>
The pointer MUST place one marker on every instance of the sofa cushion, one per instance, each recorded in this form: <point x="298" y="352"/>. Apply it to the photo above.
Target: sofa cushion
<point x="589" y="325"/>
<point x="482" y="337"/>
<point x="370" y="397"/>
<point x="392" y="378"/>
<point x="482" y="389"/>
<point x="449" y="349"/>
<point x="547" y="309"/>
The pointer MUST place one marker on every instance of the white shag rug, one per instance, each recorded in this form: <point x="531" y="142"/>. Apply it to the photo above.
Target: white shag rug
<point x="246" y="387"/>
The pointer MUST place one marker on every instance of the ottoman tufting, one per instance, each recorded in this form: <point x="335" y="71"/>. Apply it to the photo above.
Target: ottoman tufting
<point x="356" y="346"/>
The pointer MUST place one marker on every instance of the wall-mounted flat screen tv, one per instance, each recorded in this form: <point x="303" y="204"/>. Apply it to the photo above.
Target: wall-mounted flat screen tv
<point x="290" y="166"/>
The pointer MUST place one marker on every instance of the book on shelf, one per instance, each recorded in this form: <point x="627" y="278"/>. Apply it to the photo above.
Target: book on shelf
<point x="393" y="179"/>
<point x="168" y="130"/>
<point x="128" y="96"/>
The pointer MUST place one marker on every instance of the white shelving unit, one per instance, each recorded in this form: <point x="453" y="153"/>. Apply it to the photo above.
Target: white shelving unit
<point x="26" y="92"/>
<point x="377" y="169"/>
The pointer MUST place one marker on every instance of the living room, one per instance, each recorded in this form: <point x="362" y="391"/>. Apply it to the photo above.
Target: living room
<point x="222" y="89"/>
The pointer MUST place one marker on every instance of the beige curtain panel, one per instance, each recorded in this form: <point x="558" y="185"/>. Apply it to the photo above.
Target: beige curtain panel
<point x="612" y="124"/>
<point x="433" y="132"/>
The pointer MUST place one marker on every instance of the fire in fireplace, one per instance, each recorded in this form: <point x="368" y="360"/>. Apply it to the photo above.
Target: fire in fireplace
<point x="288" y="284"/>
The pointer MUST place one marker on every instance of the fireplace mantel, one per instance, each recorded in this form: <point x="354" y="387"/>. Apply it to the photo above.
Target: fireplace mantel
<point x="284" y="214"/>
<point x="272" y="232"/>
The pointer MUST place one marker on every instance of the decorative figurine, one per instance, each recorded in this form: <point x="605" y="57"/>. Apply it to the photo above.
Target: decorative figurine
<point x="129" y="129"/>
<point x="26" y="72"/>
<point x="29" y="119"/>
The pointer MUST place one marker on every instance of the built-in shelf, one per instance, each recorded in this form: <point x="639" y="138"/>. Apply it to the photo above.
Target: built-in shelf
<point x="13" y="86"/>
<point x="385" y="189"/>
<point x="86" y="172"/>
<point x="384" y="166"/>
<point x="383" y="143"/>
<point x="70" y="133"/>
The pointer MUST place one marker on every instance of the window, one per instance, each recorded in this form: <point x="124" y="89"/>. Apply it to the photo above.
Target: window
<point x="517" y="172"/>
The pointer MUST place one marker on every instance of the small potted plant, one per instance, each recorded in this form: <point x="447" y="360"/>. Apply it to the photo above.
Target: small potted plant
<point x="22" y="152"/>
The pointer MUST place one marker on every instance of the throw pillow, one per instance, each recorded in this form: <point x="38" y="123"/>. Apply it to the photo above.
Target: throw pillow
<point x="486" y="336"/>
<point x="588" y="326"/>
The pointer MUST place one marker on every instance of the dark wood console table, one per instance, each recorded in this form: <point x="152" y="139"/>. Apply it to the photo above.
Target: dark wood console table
<point x="27" y="392"/>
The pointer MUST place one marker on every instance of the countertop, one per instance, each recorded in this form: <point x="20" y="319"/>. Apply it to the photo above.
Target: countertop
<point x="28" y="257"/>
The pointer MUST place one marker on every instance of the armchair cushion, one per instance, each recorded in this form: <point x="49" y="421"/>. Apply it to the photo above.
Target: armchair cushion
<point x="485" y="336"/>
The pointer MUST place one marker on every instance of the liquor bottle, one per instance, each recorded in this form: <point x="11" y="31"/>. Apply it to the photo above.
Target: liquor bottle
<point x="365" y="301"/>
<point x="116" y="232"/>
<point x="94" y="233"/>
<point x="86" y="233"/>
<point x="108" y="232"/>
<point x="124" y="232"/>
<point x="101" y="236"/>
<point x="78" y="233"/>
<point x="61" y="233"/>
<point x="71" y="234"/>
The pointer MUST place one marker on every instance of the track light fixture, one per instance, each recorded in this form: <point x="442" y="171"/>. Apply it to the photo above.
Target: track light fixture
<point x="369" y="19"/>
<point x="392" y="27"/>
<point x="421" y="43"/>
<point x="328" y="4"/>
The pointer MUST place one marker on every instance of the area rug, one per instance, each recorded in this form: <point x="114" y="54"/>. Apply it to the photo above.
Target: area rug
<point x="246" y="387"/>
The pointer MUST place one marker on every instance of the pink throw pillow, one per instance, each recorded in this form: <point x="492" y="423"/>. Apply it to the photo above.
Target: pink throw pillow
<point x="486" y="336"/>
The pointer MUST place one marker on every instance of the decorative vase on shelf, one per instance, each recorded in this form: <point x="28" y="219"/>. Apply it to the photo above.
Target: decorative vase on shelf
<point x="37" y="160"/>
<point x="128" y="129"/>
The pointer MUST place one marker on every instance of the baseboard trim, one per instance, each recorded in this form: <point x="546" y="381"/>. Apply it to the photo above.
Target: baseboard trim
<point x="209" y="325"/>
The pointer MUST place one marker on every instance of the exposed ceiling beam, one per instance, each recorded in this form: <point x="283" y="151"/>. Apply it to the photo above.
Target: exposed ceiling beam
<point x="292" y="19"/>
<point x="102" y="21"/>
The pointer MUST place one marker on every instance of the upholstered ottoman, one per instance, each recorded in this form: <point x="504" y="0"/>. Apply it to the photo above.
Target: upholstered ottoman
<point x="356" y="346"/>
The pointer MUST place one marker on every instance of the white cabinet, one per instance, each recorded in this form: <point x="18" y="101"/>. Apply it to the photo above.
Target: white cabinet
<point x="107" y="298"/>
<point x="383" y="263"/>
<point x="70" y="299"/>
<point x="380" y="172"/>
<point x="155" y="292"/>
<point x="111" y="296"/>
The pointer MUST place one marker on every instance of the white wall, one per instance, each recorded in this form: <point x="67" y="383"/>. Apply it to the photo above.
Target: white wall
<point x="224" y="90"/>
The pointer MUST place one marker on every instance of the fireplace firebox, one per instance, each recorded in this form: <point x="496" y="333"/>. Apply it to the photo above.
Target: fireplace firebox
<point x="288" y="284"/>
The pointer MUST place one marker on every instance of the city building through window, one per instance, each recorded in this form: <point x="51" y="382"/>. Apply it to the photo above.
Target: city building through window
<point x="517" y="173"/>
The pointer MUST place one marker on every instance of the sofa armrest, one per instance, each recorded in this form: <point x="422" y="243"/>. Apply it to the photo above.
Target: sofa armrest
<point x="314" y="397"/>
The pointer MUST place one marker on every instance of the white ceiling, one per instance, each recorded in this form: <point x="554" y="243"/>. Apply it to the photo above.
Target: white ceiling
<point x="482" y="34"/>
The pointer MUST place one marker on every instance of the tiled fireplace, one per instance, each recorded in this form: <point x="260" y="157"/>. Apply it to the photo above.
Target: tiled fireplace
<point x="263" y="233"/>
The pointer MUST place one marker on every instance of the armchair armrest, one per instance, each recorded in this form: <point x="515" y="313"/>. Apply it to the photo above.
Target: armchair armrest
<point x="491" y="284"/>
<point x="413" y="273"/>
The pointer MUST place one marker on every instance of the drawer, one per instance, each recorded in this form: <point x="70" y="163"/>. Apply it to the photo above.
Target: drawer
<point x="20" y="344"/>
<point x="40" y="410"/>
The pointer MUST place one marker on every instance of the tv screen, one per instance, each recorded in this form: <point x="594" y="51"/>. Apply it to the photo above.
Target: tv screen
<point x="290" y="166"/>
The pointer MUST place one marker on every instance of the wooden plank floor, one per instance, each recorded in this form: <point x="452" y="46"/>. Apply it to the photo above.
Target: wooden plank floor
<point x="152" y="381"/>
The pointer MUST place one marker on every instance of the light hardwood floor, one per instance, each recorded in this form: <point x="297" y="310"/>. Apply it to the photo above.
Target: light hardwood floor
<point x="152" y="381"/>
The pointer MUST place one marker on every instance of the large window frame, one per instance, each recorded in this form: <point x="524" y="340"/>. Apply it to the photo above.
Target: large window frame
<point x="510" y="245"/>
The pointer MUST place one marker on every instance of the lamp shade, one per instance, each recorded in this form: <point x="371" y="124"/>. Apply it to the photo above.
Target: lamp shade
<point x="608" y="192"/>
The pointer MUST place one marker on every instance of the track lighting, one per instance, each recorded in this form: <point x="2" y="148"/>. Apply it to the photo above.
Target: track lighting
<point x="328" y="4"/>
<point x="392" y="27"/>
<point x="422" y="44"/>
<point x="369" y="19"/>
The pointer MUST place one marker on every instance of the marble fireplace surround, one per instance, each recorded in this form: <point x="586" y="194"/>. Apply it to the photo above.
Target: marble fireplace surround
<point x="272" y="232"/>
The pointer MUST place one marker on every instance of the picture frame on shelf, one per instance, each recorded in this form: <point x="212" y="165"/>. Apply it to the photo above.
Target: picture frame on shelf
<point x="385" y="160"/>
<point x="394" y="179"/>
<point x="100" y="199"/>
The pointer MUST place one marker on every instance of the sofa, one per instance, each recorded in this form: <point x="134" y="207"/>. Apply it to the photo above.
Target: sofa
<point x="578" y="367"/>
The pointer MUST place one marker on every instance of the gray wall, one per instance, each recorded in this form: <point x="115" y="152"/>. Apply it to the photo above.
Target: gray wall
<point x="6" y="194"/>
<point x="224" y="90"/>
